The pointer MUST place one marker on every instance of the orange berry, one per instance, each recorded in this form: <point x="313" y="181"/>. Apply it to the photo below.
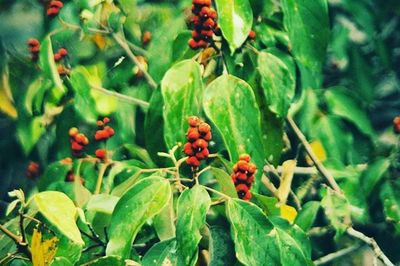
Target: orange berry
<point x="204" y="128"/>
<point x="100" y="123"/>
<point x="73" y="131"/>
<point x="207" y="136"/>
<point x="52" y="11"/>
<point x="252" y="35"/>
<point x="245" y="157"/>
<point x="252" y="168"/>
<point x="193" y="121"/>
<point x="242" y="166"/>
<point x="66" y="160"/>
<point x="193" y="44"/>
<point x="146" y="38"/>
<point x="201" y="155"/>
<point x="57" y="57"/>
<point x="56" y="4"/>
<point x="110" y="131"/>
<point x="187" y="148"/>
<point x="209" y="23"/>
<point x="75" y="146"/>
<point x="80" y="138"/>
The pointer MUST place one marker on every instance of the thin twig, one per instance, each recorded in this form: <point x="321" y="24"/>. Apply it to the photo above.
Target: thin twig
<point x="271" y="187"/>
<point x="119" y="96"/>
<point x="217" y="192"/>
<point x="9" y="255"/>
<point x="297" y="171"/>
<point x="321" y="168"/>
<point x="99" y="181"/>
<point x="125" y="46"/>
<point x="10" y="234"/>
<point x="335" y="255"/>
<point x="372" y="243"/>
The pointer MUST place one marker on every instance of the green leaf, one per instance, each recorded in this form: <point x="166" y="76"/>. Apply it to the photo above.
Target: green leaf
<point x="60" y="211"/>
<point x="306" y="217"/>
<point x="29" y="131"/>
<point x="235" y="17"/>
<point x="343" y="103"/>
<point x="48" y="65"/>
<point x="140" y="203"/>
<point x="193" y="205"/>
<point x="164" y="222"/>
<point x="162" y="253"/>
<point x="275" y="243"/>
<point x="102" y="203"/>
<point x="268" y="204"/>
<point x="221" y="247"/>
<point x="106" y="261"/>
<point x="308" y="26"/>
<point x="84" y="104"/>
<point x="391" y="203"/>
<point x="278" y="83"/>
<point x="225" y="181"/>
<point x="35" y="94"/>
<point x="230" y="104"/>
<point x="374" y="172"/>
<point x="182" y="89"/>
<point x="338" y="211"/>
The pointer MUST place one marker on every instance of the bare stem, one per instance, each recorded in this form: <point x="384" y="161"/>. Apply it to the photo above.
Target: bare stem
<point x="271" y="187"/>
<point x="321" y="168"/>
<point x="335" y="255"/>
<point x="10" y="234"/>
<point x="372" y="243"/>
<point x="125" y="46"/>
<point x="100" y="178"/>
<point x="217" y="192"/>
<point x="119" y="96"/>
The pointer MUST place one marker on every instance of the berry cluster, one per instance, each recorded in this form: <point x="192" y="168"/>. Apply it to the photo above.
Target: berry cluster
<point x="204" y="21"/>
<point x="32" y="171"/>
<point x="243" y="176"/>
<point x="78" y="141"/>
<point x="62" y="52"/>
<point x="396" y="124"/>
<point x="34" y="48"/>
<point x="198" y="136"/>
<point x="103" y="134"/>
<point x="54" y="8"/>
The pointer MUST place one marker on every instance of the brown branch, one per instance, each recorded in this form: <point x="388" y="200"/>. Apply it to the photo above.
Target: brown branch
<point x="372" y="243"/>
<point x="10" y="234"/>
<point x="321" y="168"/>
<point x="125" y="46"/>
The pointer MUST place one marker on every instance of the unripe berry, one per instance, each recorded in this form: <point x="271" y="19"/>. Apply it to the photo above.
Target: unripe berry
<point x="101" y="153"/>
<point x="245" y="157"/>
<point x="73" y="131"/>
<point x="193" y="161"/>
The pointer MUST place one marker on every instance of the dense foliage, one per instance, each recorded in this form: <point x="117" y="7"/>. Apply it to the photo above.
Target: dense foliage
<point x="241" y="132"/>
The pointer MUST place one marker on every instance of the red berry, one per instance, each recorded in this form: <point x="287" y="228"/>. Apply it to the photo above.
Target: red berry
<point x="242" y="188"/>
<point x="188" y="149"/>
<point x="247" y="196"/>
<point x="146" y="38"/>
<point x="57" y="57"/>
<point x="101" y="135"/>
<point x="245" y="157"/>
<point x="110" y="131"/>
<point x="101" y="153"/>
<point x="209" y="23"/>
<point x="204" y="128"/>
<point x="80" y="138"/>
<point x="35" y="49"/>
<point x="193" y="121"/>
<point x="33" y="42"/>
<point x="212" y="13"/>
<point x="396" y="125"/>
<point x="202" y="154"/>
<point x="207" y="136"/>
<point x="193" y="44"/>
<point x="70" y="177"/>
<point x="52" y="11"/>
<point x="192" y="161"/>
<point x="75" y="146"/>
<point x="252" y="35"/>
<point x="250" y="180"/>
<point x="252" y="168"/>
<point x="106" y="120"/>
<point x="200" y="144"/>
<point x="202" y="44"/>
<point x="192" y="134"/>
<point x="63" y="52"/>
<point x="204" y="11"/>
<point x="207" y="33"/>
<point x="241" y="176"/>
<point x="56" y="4"/>
<point x="234" y="178"/>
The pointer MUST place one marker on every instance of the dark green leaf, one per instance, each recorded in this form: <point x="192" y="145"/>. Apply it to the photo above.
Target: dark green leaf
<point x="140" y="203"/>
<point x="391" y="203"/>
<point x="374" y="172"/>
<point x="221" y="247"/>
<point x="193" y="205"/>
<point x="278" y="83"/>
<point x="306" y="217"/>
